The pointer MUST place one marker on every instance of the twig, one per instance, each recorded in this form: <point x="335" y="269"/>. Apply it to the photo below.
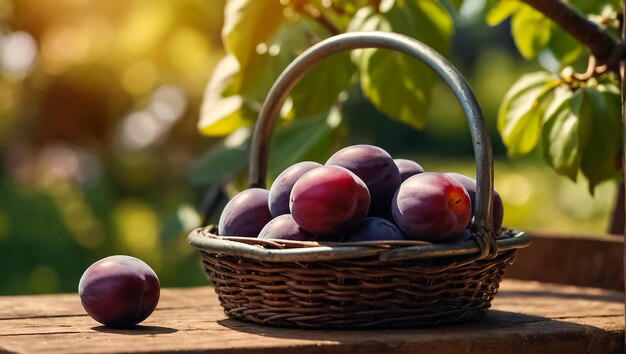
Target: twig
<point x="605" y="49"/>
<point x="316" y="15"/>
<point x="593" y="70"/>
<point x="375" y="4"/>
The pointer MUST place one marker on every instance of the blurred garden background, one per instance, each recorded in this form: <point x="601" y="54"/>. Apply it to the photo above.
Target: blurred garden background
<point x="99" y="107"/>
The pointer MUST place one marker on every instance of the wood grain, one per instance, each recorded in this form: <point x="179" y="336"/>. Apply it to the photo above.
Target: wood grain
<point x="527" y="317"/>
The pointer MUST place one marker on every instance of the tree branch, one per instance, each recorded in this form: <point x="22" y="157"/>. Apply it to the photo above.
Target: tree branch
<point x="606" y="50"/>
<point x="375" y="4"/>
<point x="316" y="15"/>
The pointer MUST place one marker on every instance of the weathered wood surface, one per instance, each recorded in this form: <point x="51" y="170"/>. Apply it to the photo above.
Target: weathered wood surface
<point x="588" y="260"/>
<point x="528" y="317"/>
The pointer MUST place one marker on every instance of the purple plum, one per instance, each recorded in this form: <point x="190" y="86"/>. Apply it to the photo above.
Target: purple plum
<point x="119" y="291"/>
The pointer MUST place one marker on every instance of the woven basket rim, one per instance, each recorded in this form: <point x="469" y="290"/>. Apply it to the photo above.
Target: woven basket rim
<point x="205" y="240"/>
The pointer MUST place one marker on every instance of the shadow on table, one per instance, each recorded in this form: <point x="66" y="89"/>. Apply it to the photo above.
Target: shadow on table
<point x="136" y="330"/>
<point x="494" y="327"/>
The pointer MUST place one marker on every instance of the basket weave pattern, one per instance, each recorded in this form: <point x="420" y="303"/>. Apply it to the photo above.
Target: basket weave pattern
<point x="380" y="284"/>
<point x="355" y="293"/>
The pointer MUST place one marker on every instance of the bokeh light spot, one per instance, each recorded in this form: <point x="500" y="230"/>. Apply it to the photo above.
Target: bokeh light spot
<point x="62" y="46"/>
<point x="137" y="227"/>
<point x="261" y="48"/>
<point x="80" y="221"/>
<point x="139" y="130"/>
<point x="168" y="104"/>
<point x="515" y="189"/>
<point x="140" y="77"/>
<point x="191" y="56"/>
<point x="18" y="53"/>
<point x="145" y="25"/>
<point x="274" y="50"/>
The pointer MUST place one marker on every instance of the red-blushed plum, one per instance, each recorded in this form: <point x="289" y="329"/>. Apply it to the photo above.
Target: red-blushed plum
<point x="245" y="214"/>
<point x="376" y="168"/>
<point x="328" y="200"/>
<point x="119" y="291"/>
<point x="374" y="229"/>
<point x="431" y="207"/>
<point x="282" y="185"/>
<point x="408" y="168"/>
<point x="470" y="186"/>
<point x="284" y="227"/>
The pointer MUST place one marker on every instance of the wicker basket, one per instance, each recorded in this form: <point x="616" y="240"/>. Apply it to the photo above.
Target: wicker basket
<point x="377" y="284"/>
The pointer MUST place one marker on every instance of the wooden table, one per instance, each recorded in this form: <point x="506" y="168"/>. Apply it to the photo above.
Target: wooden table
<point x="527" y="317"/>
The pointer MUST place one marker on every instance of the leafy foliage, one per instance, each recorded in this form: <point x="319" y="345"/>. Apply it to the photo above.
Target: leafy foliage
<point x="579" y="124"/>
<point x="259" y="46"/>
<point x="405" y="100"/>
<point x="519" y="118"/>
<point x="576" y="119"/>
<point x="560" y="132"/>
<point x="531" y="31"/>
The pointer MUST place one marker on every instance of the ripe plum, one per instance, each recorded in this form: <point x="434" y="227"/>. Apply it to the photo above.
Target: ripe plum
<point x="374" y="229"/>
<point x="329" y="199"/>
<point x="431" y="207"/>
<point x="284" y="227"/>
<point x="245" y="214"/>
<point x="408" y="168"/>
<point x="119" y="291"/>
<point x="376" y="168"/>
<point x="470" y="185"/>
<point x="282" y="185"/>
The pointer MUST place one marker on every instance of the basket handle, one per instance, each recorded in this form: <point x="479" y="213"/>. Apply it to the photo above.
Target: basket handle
<point x="483" y="231"/>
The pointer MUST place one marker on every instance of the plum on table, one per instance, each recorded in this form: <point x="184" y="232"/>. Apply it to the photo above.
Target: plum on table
<point x="119" y="291"/>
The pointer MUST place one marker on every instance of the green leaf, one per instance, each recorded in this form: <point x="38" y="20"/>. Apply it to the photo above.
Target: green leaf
<point x="564" y="47"/>
<point x="248" y="23"/>
<point x="222" y="116"/>
<point x="600" y="133"/>
<point x="274" y="56"/>
<point x="520" y="114"/>
<point x="319" y="89"/>
<point x="222" y="111"/>
<point x="431" y="23"/>
<point x="531" y="31"/>
<point x="560" y="132"/>
<point x="501" y="11"/>
<point x="304" y="139"/>
<point x="233" y="97"/>
<point x="309" y="139"/>
<point x="405" y="98"/>
<point x="404" y="93"/>
<point x="223" y="161"/>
